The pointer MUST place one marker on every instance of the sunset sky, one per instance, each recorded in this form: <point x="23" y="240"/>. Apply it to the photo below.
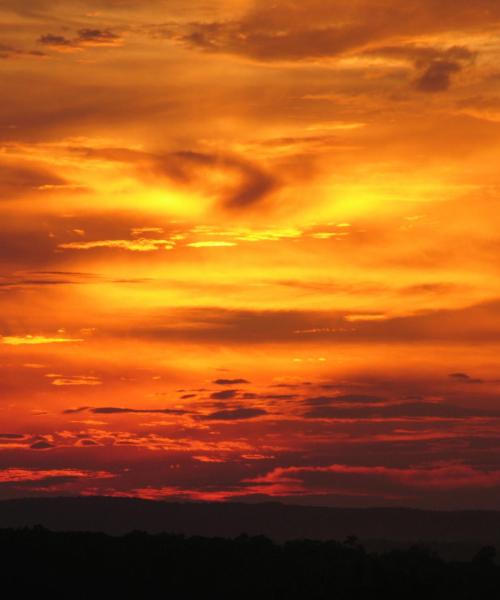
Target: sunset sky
<point x="250" y="250"/>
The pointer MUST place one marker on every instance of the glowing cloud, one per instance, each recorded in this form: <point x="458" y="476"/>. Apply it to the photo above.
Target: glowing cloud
<point x="137" y="245"/>
<point x="211" y="244"/>
<point x="30" y="340"/>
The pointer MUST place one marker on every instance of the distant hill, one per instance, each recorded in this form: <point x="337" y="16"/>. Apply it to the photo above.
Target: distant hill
<point x="277" y="521"/>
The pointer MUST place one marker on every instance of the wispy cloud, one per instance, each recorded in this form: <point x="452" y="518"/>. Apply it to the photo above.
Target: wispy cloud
<point x="32" y="340"/>
<point x="84" y="38"/>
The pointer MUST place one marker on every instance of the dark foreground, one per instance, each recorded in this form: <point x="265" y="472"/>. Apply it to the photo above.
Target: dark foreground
<point x="138" y="565"/>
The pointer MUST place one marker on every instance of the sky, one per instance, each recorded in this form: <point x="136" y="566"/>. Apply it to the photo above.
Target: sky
<point x="250" y="251"/>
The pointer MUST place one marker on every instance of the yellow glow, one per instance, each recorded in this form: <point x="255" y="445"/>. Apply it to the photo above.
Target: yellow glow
<point x="29" y="340"/>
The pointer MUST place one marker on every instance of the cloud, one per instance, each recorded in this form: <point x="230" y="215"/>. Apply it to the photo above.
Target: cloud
<point x="437" y="76"/>
<point x="218" y="324"/>
<point x="262" y="43"/>
<point x="98" y="37"/>
<point x="47" y="8"/>
<point x="422" y="56"/>
<point x="74" y="411"/>
<point x="237" y="181"/>
<point x="436" y="65"/>
<point x="409" y="410"/>
<point x="211" y="244"/>
<point x="386" y="481"/>
<point x="24" y="283"/>
<point x="18" y="180"/>
<point x="479" y="322"/>
<point x="112" y="410"/>
<point x="233" y="236"/>
<point x="7" y="51"/>
<point x="292" y="30"/>
<point x="54" y="40"/>
<point x="87" y="443"/>
<point x="85" y="38"/>
<point x="346" y="398"/>
<point x="32" y="340"/>
<point x="237" y="414"/>
<point x="463" y="377"/>
<point x="224" y="395"/>
<point x="13" y="476"/>
<point x="42" y="445"/>
<point x="79" y="380"/>
<point x="135" y="245"/>
<point x="361" y="483"/>
<point x="230" y="381"/>
<point x="247" y="183"/>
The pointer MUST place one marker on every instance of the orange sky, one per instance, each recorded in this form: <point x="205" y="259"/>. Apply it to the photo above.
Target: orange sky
<point x="251" y="250"/>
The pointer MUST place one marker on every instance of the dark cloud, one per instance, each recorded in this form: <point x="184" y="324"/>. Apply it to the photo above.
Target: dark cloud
<point x="41" y="445"/>
<point x="97" y="36"/>
<point x="397" y="411"/>
<point x="390" y="482"/>
<point x="437" y="76"/>
<point x="12" y="436"/>
<point x="241" y="325"/>
<point x="252" y="182"/>
<point x="224" y="395"/>
<point x="75" y="411"/>
<point x="111" y="410"/>
<point x="230" y="381"/>
<point x="7" y="51"/>
<point x="49" y="8"/>
<point x="54" y="40"/>
<point x="480" y="102"/>
<point x="435" y="65"/>
<point x="291" y="385"/>
<point x="259" y="42"/>
<point x="346" y="398"/>
<point x="37" y="484"/>
<point x="22" y="283"/>
<point x="49" y="278"/>
<point x="84" y="37"/>
<point x="237" y="414"/>
<point x="16" y="180"/>
<point x="65" y="106"/>
<point x="478" y="322"/>
<point x="422" y="56"/>
<point x="464" y="378"/>
<point x="293" y="30"/>
<point x="459" y="376"/>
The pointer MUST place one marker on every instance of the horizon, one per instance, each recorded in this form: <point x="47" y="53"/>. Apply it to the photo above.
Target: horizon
<point x="249" y="503"/>
<point x="249" y="251"/>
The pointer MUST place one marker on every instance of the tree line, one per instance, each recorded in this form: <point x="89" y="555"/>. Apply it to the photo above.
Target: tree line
<point x="81" y="566"/>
